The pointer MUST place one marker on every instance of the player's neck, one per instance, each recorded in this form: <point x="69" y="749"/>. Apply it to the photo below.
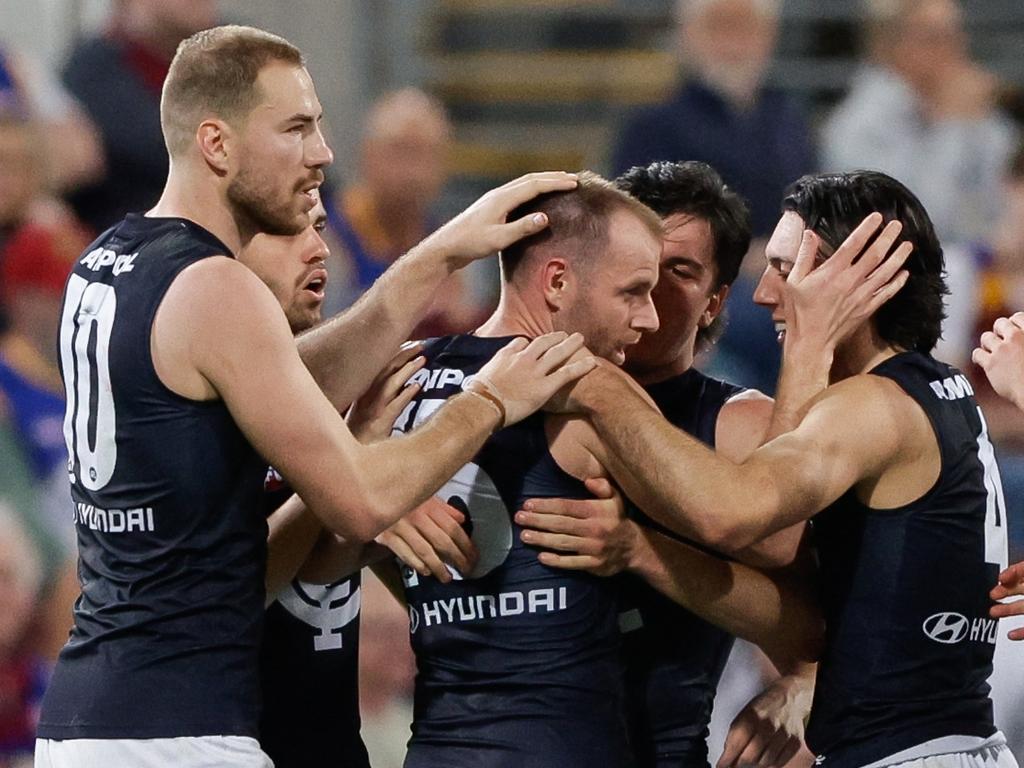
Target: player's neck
<point x="860" y="354"/>
<point x="199" y="201"/>
<point x="515" y="317"/>
<point x="647" y="374"/>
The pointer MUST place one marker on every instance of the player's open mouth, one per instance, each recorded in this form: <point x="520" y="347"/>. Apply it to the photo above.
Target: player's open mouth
<point x="316" y="282"/>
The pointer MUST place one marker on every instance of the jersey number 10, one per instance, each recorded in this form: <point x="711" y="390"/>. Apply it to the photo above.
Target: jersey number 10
<point x="89" y="421"/>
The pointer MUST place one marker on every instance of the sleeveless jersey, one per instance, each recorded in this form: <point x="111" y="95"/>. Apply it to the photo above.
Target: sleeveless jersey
<point x="909" y="642"/>
<point x="172" y="543"/>
<point x="309" y="669"/>
<point x="673" y="659"/>
<point x="517" y="663"/>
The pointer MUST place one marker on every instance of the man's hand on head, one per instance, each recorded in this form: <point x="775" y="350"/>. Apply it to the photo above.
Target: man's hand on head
<point x="483" y="229"/>
<point x="827" y="300"/>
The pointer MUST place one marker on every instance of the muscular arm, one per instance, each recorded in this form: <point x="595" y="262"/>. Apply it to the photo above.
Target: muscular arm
<point x="235" y="344"/>
<point x="850" y="432"/>
<point x="774" y="610"/>
<point x="346" y="353"/>
<point x="743" y="425"/>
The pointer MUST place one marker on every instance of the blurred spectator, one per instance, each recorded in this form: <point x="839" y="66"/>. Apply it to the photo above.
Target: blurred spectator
<point x="23" y="671"/>
<point x="724" y="114"/>
<point x="40" y="242"/>
<point x="751" y="133"/>
<point x="117" y="77"/>
<point x="924" y="112"/>
<point x="386" y="670"/>
<point x="73" y="155"/>
<point x="401" y="170"/>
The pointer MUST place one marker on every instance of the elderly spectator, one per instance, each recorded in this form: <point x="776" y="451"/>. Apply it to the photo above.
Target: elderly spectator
<point x="388" y="209"/>
<point x="921" y="110"/>
<point x="117" y="77"/>
<point x="754" y="135"/>
<point x="724" y="114"/>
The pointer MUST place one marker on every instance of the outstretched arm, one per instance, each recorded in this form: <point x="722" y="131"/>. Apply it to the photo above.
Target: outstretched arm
<point x="774" y="609"/>
<point x="704" y="497"/>
<point x="345" y="353"/>
<point x="236" y="345"/>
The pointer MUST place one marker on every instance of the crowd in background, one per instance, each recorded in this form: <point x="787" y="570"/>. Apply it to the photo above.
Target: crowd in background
<point x="82" y="147"/>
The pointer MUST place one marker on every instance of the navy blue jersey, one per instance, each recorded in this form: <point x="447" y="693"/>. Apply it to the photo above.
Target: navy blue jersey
<point x="908" y="641"/>
<point x="309" y="669"/>
<point x="673" y="658"/>
<point x="172" y="545"/>
<point x="517" y="663"/>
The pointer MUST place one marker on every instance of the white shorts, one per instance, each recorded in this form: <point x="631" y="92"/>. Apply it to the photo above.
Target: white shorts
<point x="987" y="753"/>
<point x="182" y="752"/>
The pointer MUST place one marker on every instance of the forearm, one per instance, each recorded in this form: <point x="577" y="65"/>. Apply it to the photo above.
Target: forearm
<point x="292" y="533"/>
<point x="766" y="609"/>
<point x="674" y="478"/>
<point x="390" y="576"/>
<point x="345" y="353"/>
<point x="333" y="558"/>
<point x="804" y="374"/>
<point x="398" y="474"/>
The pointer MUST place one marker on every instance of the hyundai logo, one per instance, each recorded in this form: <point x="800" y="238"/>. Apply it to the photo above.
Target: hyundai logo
<point x="946" y="628"/>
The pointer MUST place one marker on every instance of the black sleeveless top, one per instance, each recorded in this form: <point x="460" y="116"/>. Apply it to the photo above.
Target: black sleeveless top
<point x="309" y="669"/>
<point x="517" y="662"/>
<point x="908" y="641"/>
<point x="673" y="659"/>
<point x="172" y="543"/>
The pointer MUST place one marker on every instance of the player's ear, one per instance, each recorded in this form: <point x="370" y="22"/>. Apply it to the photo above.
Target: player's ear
<point x="213" y="137"/>
<point x="556" y="282"/>
<point x="716" y="302"/>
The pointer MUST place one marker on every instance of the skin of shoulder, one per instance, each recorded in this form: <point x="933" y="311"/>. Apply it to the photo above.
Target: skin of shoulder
<point x="205" y="309"/>
<point x="742" y="424"/>
<point x="863" y="432"/>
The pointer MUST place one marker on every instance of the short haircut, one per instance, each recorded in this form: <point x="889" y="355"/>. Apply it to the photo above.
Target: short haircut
<point x="578" y="222"/>
<point x="693" y="188"/>
<point x="213" y="74"/>
<point x="832" y="205"/>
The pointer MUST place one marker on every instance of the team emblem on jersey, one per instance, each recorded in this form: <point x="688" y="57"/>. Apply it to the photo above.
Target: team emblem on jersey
<point x="488" y="523"/>
<point x="327" y="609"/>
<point x="947" y="628"/>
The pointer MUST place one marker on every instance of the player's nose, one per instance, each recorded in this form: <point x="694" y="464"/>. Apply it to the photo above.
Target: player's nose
<point x="646" y="319"/>
<point x="766" y="294"/>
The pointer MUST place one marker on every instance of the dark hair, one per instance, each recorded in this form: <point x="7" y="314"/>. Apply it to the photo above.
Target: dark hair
<point x="579" y="216"/>
<point x="695" y="189"/>
<point x="214" y="73"/>
<point x="833" y="204"/>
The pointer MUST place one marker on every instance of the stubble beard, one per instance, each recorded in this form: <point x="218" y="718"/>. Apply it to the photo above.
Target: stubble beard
<point x="255" y="211"/>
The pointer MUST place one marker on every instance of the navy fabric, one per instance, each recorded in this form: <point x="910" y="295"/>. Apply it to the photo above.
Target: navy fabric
<point x="517" y="663"/>
<point x="908" y="642"/>
<point x="673" y="659"/>
<point x="171" y="539"/>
